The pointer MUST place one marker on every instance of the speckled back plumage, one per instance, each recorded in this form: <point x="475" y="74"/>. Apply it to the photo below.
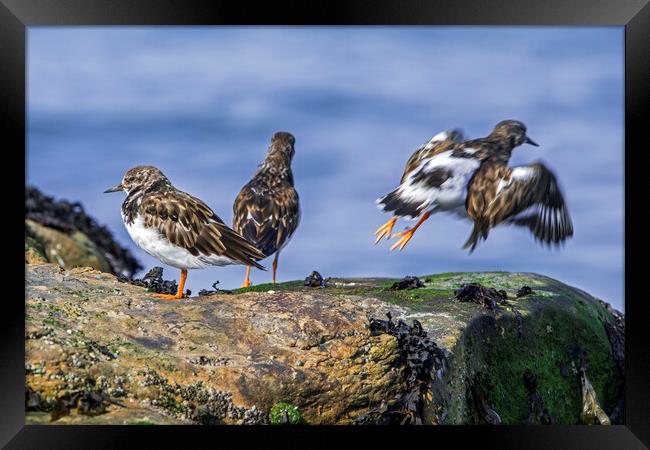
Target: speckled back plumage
<point x="267" y="209"/>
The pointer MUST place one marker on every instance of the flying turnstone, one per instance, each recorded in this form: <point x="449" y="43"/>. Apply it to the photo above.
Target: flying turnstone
<point x="178" y="229"/>
<point x="267" y="209"/>
<point x="437" y="144"/>
<point x="472" y="179"/>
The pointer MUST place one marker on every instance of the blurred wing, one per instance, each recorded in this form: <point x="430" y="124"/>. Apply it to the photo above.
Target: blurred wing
<point x="531" y="197"/>
<point x="189" y="223"/>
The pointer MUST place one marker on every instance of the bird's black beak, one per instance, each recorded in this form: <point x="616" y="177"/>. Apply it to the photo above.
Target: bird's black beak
<point x="531" y="142"/>
<point x="117" y="188"/>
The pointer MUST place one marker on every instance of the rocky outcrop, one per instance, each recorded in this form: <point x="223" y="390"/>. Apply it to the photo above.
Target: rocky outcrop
<point x="61" y="232"/>
<point x="47" y="244"/>
<point x="103" y="351"/>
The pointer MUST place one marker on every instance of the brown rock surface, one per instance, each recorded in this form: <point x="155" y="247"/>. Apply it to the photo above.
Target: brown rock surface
<point x="257" y="349"/>
<point x="102" y="351"/>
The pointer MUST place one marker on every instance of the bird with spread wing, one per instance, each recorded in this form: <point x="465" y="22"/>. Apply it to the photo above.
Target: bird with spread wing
<point x="472" y="179"/>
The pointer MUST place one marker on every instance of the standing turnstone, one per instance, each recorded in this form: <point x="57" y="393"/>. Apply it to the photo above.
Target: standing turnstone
<point x="473" y="179"/>
<point x="437" y="144"/>
<point x="267" y="209"/>
<point x="177" y="228"/>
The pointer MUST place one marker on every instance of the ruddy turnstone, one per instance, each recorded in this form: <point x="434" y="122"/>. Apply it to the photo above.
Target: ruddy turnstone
<point x="438" y="143"/>
<point x="178" y="229"/>
<point x="472" y="179"/>
<point x="267" y="209"/>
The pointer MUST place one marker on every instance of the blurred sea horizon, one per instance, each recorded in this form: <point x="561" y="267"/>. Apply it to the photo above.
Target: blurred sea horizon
<point x="202" y="103"/>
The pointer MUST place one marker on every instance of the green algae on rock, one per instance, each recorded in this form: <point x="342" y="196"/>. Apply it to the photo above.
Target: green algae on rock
<point x="283" y="413"/>
<point x="230" y="358"/>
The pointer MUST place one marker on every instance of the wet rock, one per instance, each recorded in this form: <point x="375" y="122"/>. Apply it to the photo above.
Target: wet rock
<point x="314" y="279"/>
<point x="70" y="219"/>
<point x="408" y="282"/>
<point x="477" y="293"/>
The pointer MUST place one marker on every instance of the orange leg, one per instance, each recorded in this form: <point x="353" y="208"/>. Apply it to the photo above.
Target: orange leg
<point x="247" y="281"/>
<point x="408" y="234"/>
<point x="181" y="287"/>
<point x="385" y="229"/>
<point x="275" y="265"/>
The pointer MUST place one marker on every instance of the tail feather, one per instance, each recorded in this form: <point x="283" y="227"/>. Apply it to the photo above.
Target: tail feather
<point x="478" y="233"/>
<point x="394" y="202"/>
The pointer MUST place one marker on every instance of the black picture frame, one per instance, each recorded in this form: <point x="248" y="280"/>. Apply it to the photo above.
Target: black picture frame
<point x="634" y="15"/>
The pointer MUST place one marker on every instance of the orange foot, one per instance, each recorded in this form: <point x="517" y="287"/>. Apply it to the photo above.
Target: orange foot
<point x="385" y="229"/>
<point x="408" y="234"/>
<point x="406" y="237"/>
<point x="176" y="296"/>
<point x="245" y="284"/>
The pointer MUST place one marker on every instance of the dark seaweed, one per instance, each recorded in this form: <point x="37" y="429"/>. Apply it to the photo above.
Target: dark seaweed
<point x="87" y="402"/>
<point x="524" y="290"/>
<point x="215" y="290"/>
<point x="477" y="293"/>
<point x="153" y="281"/>
<point x="421" y="358"/>
<point x="407" y="283"/>
<point x="314" y="280"/>
<point x="70" y="217"/>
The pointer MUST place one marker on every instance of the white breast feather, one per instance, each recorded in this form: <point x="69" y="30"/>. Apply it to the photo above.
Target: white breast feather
<point x="154" y="243"/>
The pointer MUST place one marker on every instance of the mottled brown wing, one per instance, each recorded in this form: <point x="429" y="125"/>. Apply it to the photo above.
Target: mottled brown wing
<point x="268" y="219"/>
<point x="500" y="194"/>
<point x="189" y="223"/>
<point x="535" y="188"/>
